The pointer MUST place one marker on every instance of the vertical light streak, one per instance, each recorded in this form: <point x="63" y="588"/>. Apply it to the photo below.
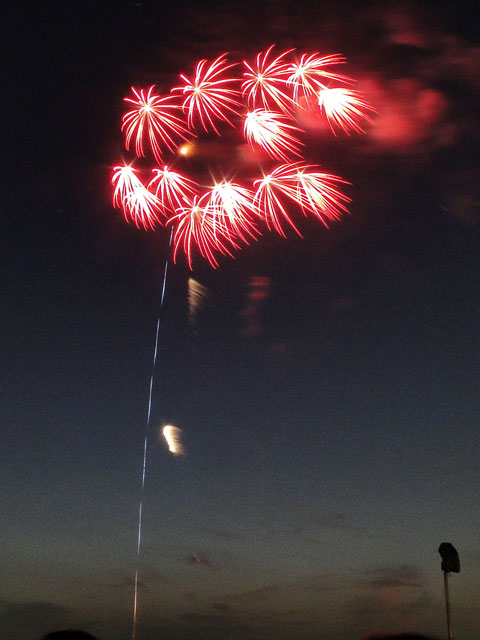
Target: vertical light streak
<point x="145" y="447"/>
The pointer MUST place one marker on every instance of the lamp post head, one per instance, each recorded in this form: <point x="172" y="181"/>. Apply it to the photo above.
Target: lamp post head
<point x="450" y="559"/>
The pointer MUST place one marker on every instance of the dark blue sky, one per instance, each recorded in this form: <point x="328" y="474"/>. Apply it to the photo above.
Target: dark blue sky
<point x="330" y="422"/>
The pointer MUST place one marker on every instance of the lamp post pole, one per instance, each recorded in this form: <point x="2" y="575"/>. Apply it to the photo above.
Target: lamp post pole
<point x="447" y="606"/>
<point x="450" y="562"/>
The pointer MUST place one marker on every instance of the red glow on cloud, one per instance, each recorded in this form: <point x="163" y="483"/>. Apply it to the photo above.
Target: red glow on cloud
<point x="409" y="115"/>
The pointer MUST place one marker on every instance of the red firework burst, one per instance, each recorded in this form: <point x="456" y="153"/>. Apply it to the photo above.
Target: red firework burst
<point x="210" y="95"/>
<point x="154" y="119"/>
<point x="271" y="131"/>
<point x="344" y="109"/>
<point x="308" y="75"/>
<point x="233" y="205"/>
<point x="172" y="188"/>
<point x="316" y="193"/>
<point x="197" y="226"/>
<point x="268" y="202"/>
<point x="266" y="82"/>
<point x="138" y="203"/>
<point x="312" y="190"/>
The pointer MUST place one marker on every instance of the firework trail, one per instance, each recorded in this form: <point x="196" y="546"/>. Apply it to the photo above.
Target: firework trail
<point x="145" y="447"/>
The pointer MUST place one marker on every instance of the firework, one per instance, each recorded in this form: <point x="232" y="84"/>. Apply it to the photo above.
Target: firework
<point x="138" y="203"/>
<point x="153" y="118"/>
<point x="266" y="82"/>
<point x="270" y="131"/>
<point x="209" y="95"/>
<point x="233" y="205"/>
<point x="217" y="220"/>
<point x="308" y="75"/>
<point x="267" y="199"/>
<point x="198" y="226"/>
<point x="312" y="190"/>
<point x="344" y="109"/>
<point x="316" y="193"/>
<point x="171" y="188"/>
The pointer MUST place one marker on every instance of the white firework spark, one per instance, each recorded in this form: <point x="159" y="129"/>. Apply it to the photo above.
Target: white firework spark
<point x="172" y="437"/>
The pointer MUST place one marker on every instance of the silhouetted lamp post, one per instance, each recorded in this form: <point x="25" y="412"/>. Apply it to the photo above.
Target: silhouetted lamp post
<point x="450" y="563"/>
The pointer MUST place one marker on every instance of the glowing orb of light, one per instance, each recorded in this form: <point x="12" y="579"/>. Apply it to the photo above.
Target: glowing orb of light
<point x="172" y="437"/>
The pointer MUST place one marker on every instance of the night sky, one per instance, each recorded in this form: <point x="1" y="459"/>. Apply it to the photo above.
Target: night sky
<point x="326" y="389"/>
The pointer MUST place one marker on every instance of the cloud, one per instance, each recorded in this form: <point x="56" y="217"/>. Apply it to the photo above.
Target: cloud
<point x="281" y="349"/>
<point x="455" y="60"/>
<point x="240" y="604"/>
<point x="218" y="625"/>
<point x="411" y="116"/>
<point x="402" y="577"/>
<point x="200" y="560"/>
<point x="224" y="608"/>
<point x="338" y="521"/>
<point x="311" y="521"/>
<point x="425" y="82"/>
<point x="239" y="615"/>
<point x="222" y="534"/>
<point x="392" y="588"/>
<point x="325" y="583"/>
<point x="255" y="595"/>
<point x="391" y="598"/>
<point x="421" y="79"/>
<point x="147" y="577"/>
<point x="403" y="27"/>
